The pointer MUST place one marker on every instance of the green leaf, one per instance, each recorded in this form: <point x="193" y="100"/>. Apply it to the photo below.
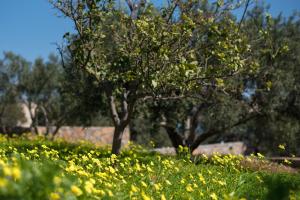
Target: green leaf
<point x="154" y="83"/>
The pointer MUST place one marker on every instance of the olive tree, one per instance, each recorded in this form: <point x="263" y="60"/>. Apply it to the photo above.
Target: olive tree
<point x="142" y="52"/>
<point x="10" y="110"/>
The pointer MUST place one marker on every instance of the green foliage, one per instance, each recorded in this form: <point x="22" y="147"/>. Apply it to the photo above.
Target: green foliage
<point x="90" y="105"/>
<point x="277" y="81"/>
<point x="46" y="90"/>
<point x="12" y="115"/>
<point x="156" y="52"/>
<point x="10" y="111"/>
<point x="280" y="186"/>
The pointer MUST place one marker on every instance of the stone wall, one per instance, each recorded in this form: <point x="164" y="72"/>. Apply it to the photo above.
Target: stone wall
<point x="96" y="135"/>
<point x="235" y="148"/>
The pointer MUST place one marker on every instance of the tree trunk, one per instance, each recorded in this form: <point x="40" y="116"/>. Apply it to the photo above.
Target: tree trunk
<point x="133" y="133"/>
<point x="36" y="130"/>
<point x="117" y="139"/>
<point x="175" y="138"/>
<point x="53" y="134"/>
<point x="33" y="126"/>
<point x="120" y="119"/>
<point x="47" y="124"/>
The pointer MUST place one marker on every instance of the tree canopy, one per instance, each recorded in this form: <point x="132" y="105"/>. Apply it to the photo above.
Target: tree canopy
<point x="144" y="52"/>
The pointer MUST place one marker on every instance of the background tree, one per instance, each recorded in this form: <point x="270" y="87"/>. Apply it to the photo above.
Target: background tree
<point x="38" y="87"/>
<point x="192" y="121"/>
<point x="277" y="83"/>
<point x="46" y="90"/>
<point x="10" y="110"/>
<point x="270" y="95"/>
<point x="90" y="106"/>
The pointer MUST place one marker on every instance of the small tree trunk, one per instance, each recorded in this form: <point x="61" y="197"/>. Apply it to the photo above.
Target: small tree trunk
<point x="54" y="133"/>
<point x="36" y="130"/>
<point x="133" y="133"/>
<point x="117" y="139"/>
<point x="175" y="138"/>
<point x="121" y="120"/>
<point x="33" y="116"/>
<point x="47" y="124"/>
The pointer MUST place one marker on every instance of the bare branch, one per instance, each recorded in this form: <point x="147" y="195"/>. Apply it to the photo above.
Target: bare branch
<point x="244" y="13"/>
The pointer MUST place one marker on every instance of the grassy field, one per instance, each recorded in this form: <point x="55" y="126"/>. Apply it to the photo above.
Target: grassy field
<point x="41" y="170"/>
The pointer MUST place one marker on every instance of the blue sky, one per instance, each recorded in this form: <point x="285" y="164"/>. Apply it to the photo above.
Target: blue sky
<point x="31" y="27"/>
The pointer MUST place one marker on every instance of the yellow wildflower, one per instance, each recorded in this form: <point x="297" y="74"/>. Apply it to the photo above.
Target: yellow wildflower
<point x="213" y="196"/>
<point x="260" y="155"/>
<point x="134" y="189"/>
<point x="6" y="171"/>
<point x="168" y="182"/>
<point x="112" y="170"/>
<point x="201" y="178"/>
<point x="162" y="197"/>
<point x="286" y="161"/>
<point x="113" y="158"/>
<point x="89" y="186"/>
<point x="259" y="179"/>
<point x="76" y="190"/>
<point x="99" y="192"/>
<point x="144" y="196"/>
<point x="109" y="185"/>
<point x="92" y="181"/>
<point x="149" y="169"/>
<point x="83" y="173"/>
<point x="144" y="184"/>
<point x="84" y="158"/>
<point x="16" y="173"/>
<point x="2" y="163"/>
<point x="223" y="183"/>
<point x="102" y="175"/>
<point x="281" y="146"/>
<point x="137" y="167"/>
<point x="189" y="188"/>
<point x="3" y="182"/>
<point x="157" y="186"/>
<point x="110" y="193"/>
<point x="54" y="196"/>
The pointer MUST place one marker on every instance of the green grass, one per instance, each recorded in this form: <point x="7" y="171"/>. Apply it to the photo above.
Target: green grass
<point x="41" y="169"/>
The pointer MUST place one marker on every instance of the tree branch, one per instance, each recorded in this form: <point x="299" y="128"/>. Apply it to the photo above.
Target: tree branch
<point x="175" y="138"/>
<point x="112" y="107"/>
<point x="244" y="13"/>
<point x="212" y="132"/>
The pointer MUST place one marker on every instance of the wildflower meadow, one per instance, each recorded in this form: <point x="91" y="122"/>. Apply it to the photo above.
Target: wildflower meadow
<point x="40" y="169"/>
<point x="215" y="83"/>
